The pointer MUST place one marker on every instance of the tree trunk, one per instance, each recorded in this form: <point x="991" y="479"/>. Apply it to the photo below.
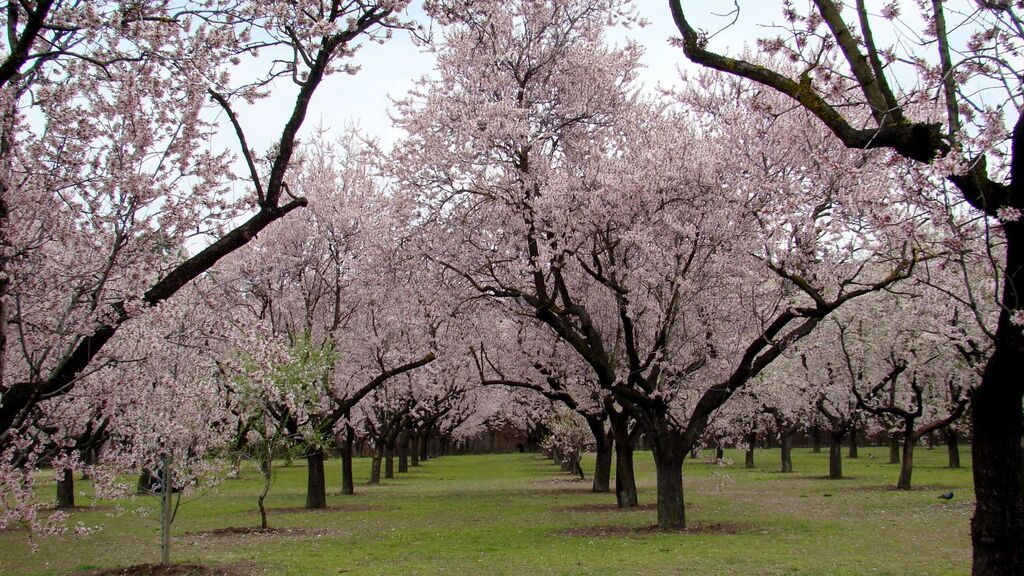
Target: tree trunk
<point x="853" y="443"/>
<point x="603" y="442"/>
<point x="66" y="490"/>
<point x="835" y="457"/>
<point x="348" y="485"/>
<point x="894" y="449"/>
<point x="267" y="472"/>
<point x="952" y="447"/>
<point x="166" y="510"/>
<point x="786" y="444"/>
<point x="997" y="529"/>
<point x="719" y="452"/>
<point x="603" y="467"/>
<point x="816" y="439"/>
<point x="749" y="458"/>
<point x="403" y="452"/>
<point x="146" y="481"/>
<point x="316" y="487"/>
<point x="378" y="454"/>
<point x="625" y="478"/>
<point x="414" y="449"/>
<point x="668" y="462"/>
<point x="907" y="469"/>
<point x="425" y="445"/>
<point x="389" y="460"/>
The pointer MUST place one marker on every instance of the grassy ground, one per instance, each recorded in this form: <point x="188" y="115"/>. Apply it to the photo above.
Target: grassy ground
<point x="517" y="514"/>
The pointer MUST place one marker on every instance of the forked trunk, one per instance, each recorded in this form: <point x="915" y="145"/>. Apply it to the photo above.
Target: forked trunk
<point x="625" y="479"/>
<point x="316" y="487"/>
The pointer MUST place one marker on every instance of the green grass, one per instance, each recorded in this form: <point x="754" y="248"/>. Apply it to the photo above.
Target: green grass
<point x="507" y="514"/>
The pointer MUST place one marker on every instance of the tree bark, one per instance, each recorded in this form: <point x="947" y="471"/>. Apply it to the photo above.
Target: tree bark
<point x="414" y="449"/>
<point x="378" y="454"/>
<point x="389" y="460"/>
<point x="603" y="442"/>
<point x="166" y="510"/>
<point x="835" y="457"/>
<point x="997" y="529"/>
<point x="952" y="447"/>
<point x="816" y="439"/>
<point x="894" y="449"/>
<point x="668" y="463"/>
<point x="348" y="485"/>
<point x="853" y="442"/>
<point x="66" y="490"/>
<point x="749" y="457"/>
<point x="316" y="487"/>
<point x="403" y="452"/>
<point x="625" y="479"/>
<point x="907" y="469"/>
<point x="786" y="445"/>
<point x="424" y="446"/>
<point x="146" y="481"/>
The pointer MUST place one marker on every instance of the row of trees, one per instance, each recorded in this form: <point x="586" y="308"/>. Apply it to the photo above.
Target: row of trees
<point x="798" y="236"/>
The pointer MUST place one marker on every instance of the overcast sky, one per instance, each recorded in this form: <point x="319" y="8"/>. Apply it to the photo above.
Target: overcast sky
<point x="390" y="70"/>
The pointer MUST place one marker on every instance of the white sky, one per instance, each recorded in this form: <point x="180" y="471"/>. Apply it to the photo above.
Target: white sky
<point x="391" y="69"/>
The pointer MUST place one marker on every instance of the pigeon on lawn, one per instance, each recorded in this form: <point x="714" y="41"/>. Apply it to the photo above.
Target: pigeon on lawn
<point x="946" y="496"/>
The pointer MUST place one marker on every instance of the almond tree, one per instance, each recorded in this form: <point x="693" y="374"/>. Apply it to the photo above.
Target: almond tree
<point x="649" y="240"/>
<point x="970" y="136"/>
<point x="111" y="200"/>
<point x="341" y="294"/>
<point x="520" y="356"/>
<point x="919" y="374"/>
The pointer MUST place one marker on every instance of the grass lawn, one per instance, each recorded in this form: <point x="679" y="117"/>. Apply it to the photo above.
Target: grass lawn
<point x="518" y="514"/>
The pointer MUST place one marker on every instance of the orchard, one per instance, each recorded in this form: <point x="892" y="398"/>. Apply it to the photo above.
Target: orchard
<point x="501" y="330"/>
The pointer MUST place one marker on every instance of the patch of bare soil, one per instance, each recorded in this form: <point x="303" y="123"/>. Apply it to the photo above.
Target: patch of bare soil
<point x="892" y="488"/>
<point x="176" y="570"/>
<point x="585" y="508"/>
<point x="304" y="510"/>
<point x="617" y="530"/>
<point x="243" y="532"/>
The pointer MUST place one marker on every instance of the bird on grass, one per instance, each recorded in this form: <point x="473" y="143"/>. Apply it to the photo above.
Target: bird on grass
<point x="946" y="496"/>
